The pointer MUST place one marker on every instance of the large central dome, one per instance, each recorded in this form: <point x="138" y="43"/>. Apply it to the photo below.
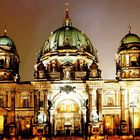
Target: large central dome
<point x="67" y="55"/>
<point x="67" y="38"/>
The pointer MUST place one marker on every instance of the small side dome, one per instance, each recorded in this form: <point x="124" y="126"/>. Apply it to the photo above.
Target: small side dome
<point x="5" y="40"/>
<point x="9" y="60"/>
<point x="130" y="38"/>
<point x="7" y="43"/>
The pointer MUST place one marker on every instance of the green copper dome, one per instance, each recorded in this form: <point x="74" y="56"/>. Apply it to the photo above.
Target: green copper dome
<point x="130" y="38"/>
<point x="6" y="43"/>
<point x="67" y="38"/>
<point x="128" y="41"/>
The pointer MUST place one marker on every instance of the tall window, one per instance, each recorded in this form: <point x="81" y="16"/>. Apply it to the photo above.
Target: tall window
<point x="25" y="102"/>
<point x="41" y="103"/>
<point x="1" y="102"/>
<point x="110" y="101"/>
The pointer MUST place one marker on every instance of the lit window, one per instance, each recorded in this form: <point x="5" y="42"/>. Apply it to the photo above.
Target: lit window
<point x="110" y="101"/>
<point x="135" y="60"/>
<point x="25" y="102"/>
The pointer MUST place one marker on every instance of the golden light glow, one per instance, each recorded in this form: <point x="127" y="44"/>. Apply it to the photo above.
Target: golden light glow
<point x="107" y="124"/>
<point x="1" y="123"/>
<point x="28" y="125"/>
<point x="67" y="106"/>
<point x="136" y="120"/>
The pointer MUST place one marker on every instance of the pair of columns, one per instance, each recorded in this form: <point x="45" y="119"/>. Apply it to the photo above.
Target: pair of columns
<point x="40" y="96"/>
<point x="95" y="94"/>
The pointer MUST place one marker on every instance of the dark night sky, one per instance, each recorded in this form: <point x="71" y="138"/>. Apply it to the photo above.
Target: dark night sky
<point x="29" y="23"/>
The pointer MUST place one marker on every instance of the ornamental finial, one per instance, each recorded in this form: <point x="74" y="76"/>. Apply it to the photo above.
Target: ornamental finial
<point x="67" y="20"/>
<point x="67" y="9"/>
<point x="5" y="31"/>
<point x="130" y="28"/>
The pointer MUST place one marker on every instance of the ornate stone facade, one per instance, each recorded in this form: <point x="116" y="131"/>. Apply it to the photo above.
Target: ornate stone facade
<point x="68" y="95"/>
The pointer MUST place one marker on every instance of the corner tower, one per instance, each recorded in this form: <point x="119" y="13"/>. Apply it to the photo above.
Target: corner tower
<point x="128" y="58"/>
<point x="9" y="59"/>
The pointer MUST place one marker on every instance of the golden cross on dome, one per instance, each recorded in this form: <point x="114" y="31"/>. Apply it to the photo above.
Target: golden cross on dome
<point x="67" y="9"/>
<point x="67" y="5"/>
<point x="5" y="30"/>
<point x="67" y="20"/>
<point x="129" y="27"/>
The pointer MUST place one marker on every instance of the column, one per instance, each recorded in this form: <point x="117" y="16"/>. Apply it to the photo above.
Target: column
<point x="122" y="104"/>
<point x="99" y="108"/>
<point x="90" y="104"/>
<point x="123" y="121"/>
<point x="88" y="124"/>
<point x="13" y="106"/>
<point x="94" y="98"/>
<point x="49" y="105"/>
<point x="99" y="103"/>
<point x="36" y="105"/>
<point x="12" y="127"/>
<point x="45" y="102"/>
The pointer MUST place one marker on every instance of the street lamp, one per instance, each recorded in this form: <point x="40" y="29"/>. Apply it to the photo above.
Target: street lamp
<point x="107" y="125"/>
<point x="133" y="105"/>
<point x="28" y="128"/>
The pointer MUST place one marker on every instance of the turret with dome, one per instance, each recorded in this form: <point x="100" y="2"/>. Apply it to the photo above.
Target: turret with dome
<point x="9" y="59"/>
<point x="128" y="58"/>
<point x="67" y="54"/>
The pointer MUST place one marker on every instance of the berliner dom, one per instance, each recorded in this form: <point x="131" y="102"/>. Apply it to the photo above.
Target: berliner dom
<point x="68" y="95"/>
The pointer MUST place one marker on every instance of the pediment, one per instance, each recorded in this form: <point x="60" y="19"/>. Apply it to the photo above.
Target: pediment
<point x="67" y="64"/>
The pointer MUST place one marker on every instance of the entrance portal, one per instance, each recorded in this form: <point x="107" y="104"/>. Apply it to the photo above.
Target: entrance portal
<point x="67" y="119"/>
<point x="67" y="126"/>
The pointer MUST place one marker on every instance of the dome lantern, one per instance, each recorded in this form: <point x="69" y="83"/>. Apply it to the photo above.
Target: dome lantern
<point x="67" y="21"/>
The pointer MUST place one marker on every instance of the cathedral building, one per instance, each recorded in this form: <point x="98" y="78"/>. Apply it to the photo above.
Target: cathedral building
<point x="68" y="95"/>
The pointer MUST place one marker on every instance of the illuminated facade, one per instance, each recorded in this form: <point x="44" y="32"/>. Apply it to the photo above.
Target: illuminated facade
<point x="68" y="95"/>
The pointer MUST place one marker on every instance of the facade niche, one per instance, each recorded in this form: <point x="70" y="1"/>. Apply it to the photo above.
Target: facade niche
<point x="1" y="63"/>
<point x="1" y="102"/>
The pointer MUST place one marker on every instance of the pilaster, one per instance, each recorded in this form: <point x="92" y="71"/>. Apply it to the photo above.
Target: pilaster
<point x="99" y="103"/>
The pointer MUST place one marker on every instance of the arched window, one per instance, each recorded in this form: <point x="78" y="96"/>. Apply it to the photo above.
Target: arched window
<point x="134" y="60"/>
